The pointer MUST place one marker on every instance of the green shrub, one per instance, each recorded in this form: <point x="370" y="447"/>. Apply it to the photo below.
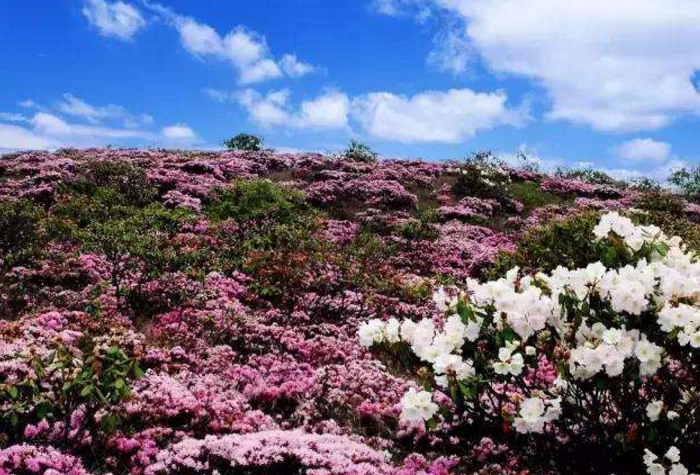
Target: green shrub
<point x="531" y="195"/>
<point x="568" y="242"/>
<point x="672" y="223"/>
<point x="257" y="199"/>
<point x="20" y="232"/>
<point x="360" y="152"/>
<point x="481" y="175"/>
<point x="266" y="216"/>
<point x="247" y="142"/>
<point x="646" y="185"/>
<point x="123" y="183"/>
<point x="662" y="202"/>
<point x="64" y="380"/>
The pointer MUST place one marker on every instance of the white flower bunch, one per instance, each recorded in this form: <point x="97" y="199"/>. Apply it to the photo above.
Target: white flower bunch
<point x="508" y="362"/>
<point x="650" y="300"/>
<point x="440" y="348"/>
<point x="417" y="406"/>
<point x="535" y="412"/>
<point x="684" y="318"/>
<point x="633" y="236"/>
<point x="669" y="464"/>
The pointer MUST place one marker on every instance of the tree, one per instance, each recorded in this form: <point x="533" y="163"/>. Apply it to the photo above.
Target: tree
<point x="247" y="142"/>
<point x="360" y="152"/>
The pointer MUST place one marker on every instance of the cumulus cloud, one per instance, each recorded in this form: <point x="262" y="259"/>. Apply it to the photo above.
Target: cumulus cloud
<point x="435" y="116"/>
<point x="245" y="49"/>
<point x="116" y="19"/>
<point x="644" y="150"/>
<point x="327" y="111"/>
<point x="616" y="66"/>
<point x="179" y="133"/>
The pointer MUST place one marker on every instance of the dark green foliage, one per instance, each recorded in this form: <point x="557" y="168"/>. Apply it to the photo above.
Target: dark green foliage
<point x="20" y="232"/>
<point x="672" y="223"/>
<point x="589" y="175"/>
<point x="257" y="216"/>
<point x="256" y="199"/>
<point x="360" y="152"/>
<point x="116" y="183"/>
<point x="96" y="379"/>
<point x="662" y="202"/>
<point x="481" y="175"/>
<point x="421" y="227"/>
<point x="568" y="242"/>
<point x="247" y="142"/>
<point x="531" y="195"/>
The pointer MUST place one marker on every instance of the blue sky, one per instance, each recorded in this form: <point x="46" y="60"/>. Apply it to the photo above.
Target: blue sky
<point x="573" y="82"/>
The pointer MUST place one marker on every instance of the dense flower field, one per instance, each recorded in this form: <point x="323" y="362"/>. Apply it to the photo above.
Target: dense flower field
<point x="175" y="312"/>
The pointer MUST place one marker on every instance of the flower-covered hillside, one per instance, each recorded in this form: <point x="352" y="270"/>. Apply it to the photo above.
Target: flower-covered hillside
<point x="172" y="312"/>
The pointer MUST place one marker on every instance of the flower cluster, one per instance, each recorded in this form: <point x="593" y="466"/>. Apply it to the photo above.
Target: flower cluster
<point x="625" y="318"/>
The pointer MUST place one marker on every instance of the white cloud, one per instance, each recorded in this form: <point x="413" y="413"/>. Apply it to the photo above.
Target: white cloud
<point x="452" y="52"/>
<point x="74" y="106"/>
<point x="644" y="150"/>
<point x="616" y="66"/>
<point x="434" y="116"/>
<point x="13" y="137"/>
<point x="246" y="50"/>
<point x="12" y="117"/>
<point x="327" y="111"/>
<point x="294" y="68"/>
<point x="50" y="125"/>
<point x="218" y="95"/>
<point x="77" y="107"/>
<point x="117" y="19"/>
<point x="179" y="132"/>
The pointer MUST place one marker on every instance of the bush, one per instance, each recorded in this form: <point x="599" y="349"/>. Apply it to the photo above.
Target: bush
<point x="246" y="142"/>
<point x="257" y="199"/>
<point x="593" y="365"/>
<point x="266" y="216"/>
<point x="531" y="195"/>
<point x="567" y="242"/>
<point x="116" y="183"/>
<point x="20" y="232"/>
<point x="360" y="152"/>
<point x="483" y="176"/>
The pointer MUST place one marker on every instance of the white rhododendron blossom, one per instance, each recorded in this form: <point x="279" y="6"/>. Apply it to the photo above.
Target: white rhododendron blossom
<point x="417" y="406"/>
<point x="534" y="412"/>
<point x="542" y="352"/>
<point x="669" y="464"/>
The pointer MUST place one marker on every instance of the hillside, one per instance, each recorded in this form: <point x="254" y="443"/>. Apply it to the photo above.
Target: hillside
<point x="198" y="312"/>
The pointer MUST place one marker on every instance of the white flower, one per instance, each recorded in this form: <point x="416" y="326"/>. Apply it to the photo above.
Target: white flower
<point x="417" y="406"/>
<point x="371" y="332"/>
<point x="673" y="455"/>
<point x="391" y="331"/>
<point x="654" y="409"/>
<point x="534" y="413"/>
<point x="656" y="469"/>
<point x="678" y="469"/>
<point x="440" y="299"/>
